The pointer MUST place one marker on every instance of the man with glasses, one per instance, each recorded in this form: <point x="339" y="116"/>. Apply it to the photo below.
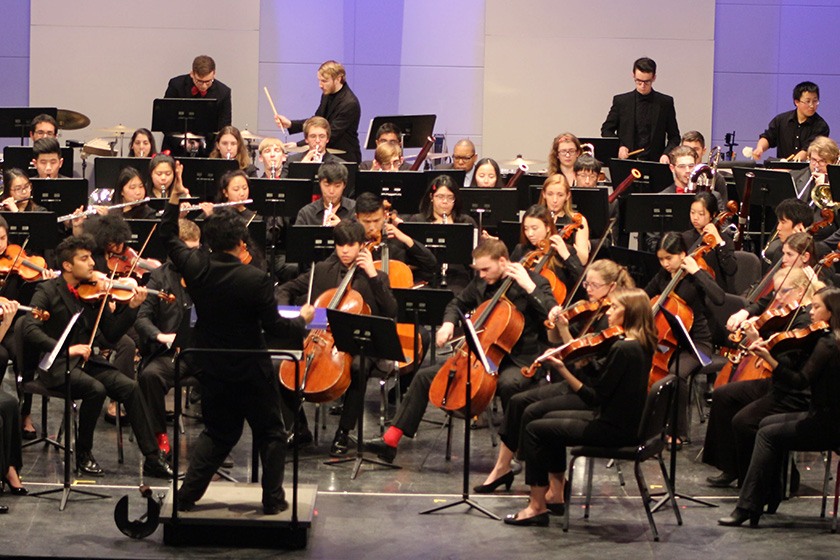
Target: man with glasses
<point x="792" y="131"/>
<point x="316" y="134"/>
<point x="387" y="134"/>
<point x="644" y="120"/>
<point x="42" y="126"/>
<point x="463" y="157"/>
<point x="200" y="83"/>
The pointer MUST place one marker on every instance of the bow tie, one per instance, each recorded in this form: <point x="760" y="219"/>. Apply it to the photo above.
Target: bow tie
<point x="73" y="291"/>
<point x="195" y="91"/>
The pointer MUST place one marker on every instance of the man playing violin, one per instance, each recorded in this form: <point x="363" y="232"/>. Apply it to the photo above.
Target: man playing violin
<point x="92" y="377"/>
<point x="530" y="293"/>
<point x="371" y="284"/>
<point x="333" y="206"/>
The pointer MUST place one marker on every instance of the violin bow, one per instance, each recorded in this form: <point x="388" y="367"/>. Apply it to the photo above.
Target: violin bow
<point x="140" y="252"/>
<point x="102" y="307"/>
<point x="311" y="281"/>
<point x="592" y="256"/>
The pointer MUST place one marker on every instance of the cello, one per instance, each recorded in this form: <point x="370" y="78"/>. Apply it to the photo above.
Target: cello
<point x="326" y="371"/>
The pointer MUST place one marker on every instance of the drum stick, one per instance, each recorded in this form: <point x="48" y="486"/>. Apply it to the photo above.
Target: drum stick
<point x="273" y="108"/>
<point x="633" y="153"/>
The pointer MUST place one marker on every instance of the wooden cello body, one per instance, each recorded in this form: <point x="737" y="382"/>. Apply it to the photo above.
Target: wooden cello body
<point x="400" y="276"/>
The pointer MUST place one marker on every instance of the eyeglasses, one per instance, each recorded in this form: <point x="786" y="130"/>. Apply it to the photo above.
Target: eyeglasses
<point x="463" y="158"/>
<point x="809" y="103"/>
<point x="22" y="188"/>
<point x="595" y="286"/>
<point x="643" y="82"/>
<point x="567" y="152"/>
<point x="444" y="197"/>
<point x="204" y="82"/>
<point x="42" y="133"/>
<point x="685" y="166"/>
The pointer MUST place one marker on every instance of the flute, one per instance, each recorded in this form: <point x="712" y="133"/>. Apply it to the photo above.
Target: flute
<point x="192" y="207"/>
<point x="92" y="210"/>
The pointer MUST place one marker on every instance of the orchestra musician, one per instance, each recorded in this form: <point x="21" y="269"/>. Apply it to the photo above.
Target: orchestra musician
<point x="374" y="287"/>
<point x="738" y="407"/>
<point x="339" y="107"/>
<point x="230" y="145"/>
<point x="565" y="151"/>
<point x="529" y="293"/>
<point x="487" y="174"/>
<point x="234" y="304"/>
<point x="42" y="126"/>
<point x="537" y="226"/>
<point x="17" y="193"/>
<point x="46" y="153"/>
<point x="793" y="216"/>
<point x="616" y="398"/>
<point x="387" y="133"/>
<point x="142" y="143"/>
<point x="316" y="134"/>
<point x="604" y="279"/>
<point x="333" y="207"/>
<point x="463" y="158"/>
<point x="694" y="139"/>
<point x="792" y="131"/>
<point x="387" y="157"/>
<point x="698" y="290"/>
<point x="130" y="188"/>
<point x="92" y="378"/>
<point x="557" y="197"/>
<point x="162" y="173"/>
<point x="643" y="119"/>
<point x="721" y="259"/>
<point x="587" y="171"/>
<point x="817" y="429"/>
<point x="273" y="156"/>
<point x="11" y="457"/>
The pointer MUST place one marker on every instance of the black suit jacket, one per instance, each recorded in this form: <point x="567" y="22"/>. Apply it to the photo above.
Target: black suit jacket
<point x="180" y="87"/>
<point x="54" y="296"/>
<point x="298" y="156"/>
<point x="343" y="111"/>
<point x="157" y="316"/>
<point x="621" y="122"/>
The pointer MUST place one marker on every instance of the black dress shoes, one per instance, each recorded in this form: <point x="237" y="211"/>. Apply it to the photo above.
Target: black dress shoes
<point x="738" y="516"/>
<point x="28" y="434"/>
<point x="157" y="467"/>
<point x="556" y="509"/>
<point x="6" y="487"/>
<point x="304" y="437"/>
<point x="723" y="480"/>
<point x="4" y="509"/>
<point x="382" y="449"/>
<point x="539" y="520"/>
<point x="86" y="463"/>
<point x="341" y="444"/>
<point x="506" y="479"/>
<point x="275" y="507"/>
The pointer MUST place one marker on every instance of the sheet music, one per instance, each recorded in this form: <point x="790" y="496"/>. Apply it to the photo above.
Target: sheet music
<point x="48" y="360"/>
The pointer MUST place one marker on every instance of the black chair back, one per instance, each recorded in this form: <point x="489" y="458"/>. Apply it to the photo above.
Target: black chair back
<point x="657" y="410"/>
<point x="749" y="272"/>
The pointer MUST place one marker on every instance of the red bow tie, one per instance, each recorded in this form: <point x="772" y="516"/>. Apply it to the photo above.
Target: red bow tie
<point x="196" y="91"/>
<point x="73" y="291"/>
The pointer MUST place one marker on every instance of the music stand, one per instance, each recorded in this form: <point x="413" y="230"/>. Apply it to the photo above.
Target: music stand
<point x="509" y="231"/>
<point x="605" y="148"/>
<point x="684" y="342"/>
<point x="106" y="170"/>
<point x="529" y="187"/>
<point x="366" y="336"/>
<point x="16" y="121"/>
<point x="38" y="227"/>
<point x="62" y="196"/>
<point x="403" y="189"/>
<point x="786" y="165"/>
<point x="140" y="230"/>
<point x="457" y="175"/>
<point x="834" y="175"/>
<point x="279" y="197"/>
<point x="450" y="243"/>
<point x="769" y="188"/>
<point x="648" y="212"/>
<point x="473" y="349"/>
<point x="593" y="202"/>
<point x="199" y="116"/>
<point x="309" y="244"/>
<point x="201" y="175"/>
<point x="422" y="306"/>
<point x="22" y="156"/>
<point x="500" y="204"/>
<point x="641" y="265"/>
<point x="415" y="129"/>
<point x="655" y="176"/>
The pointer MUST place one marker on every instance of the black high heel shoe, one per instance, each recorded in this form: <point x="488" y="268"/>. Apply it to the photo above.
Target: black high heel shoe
<point x="738" y="516"/>
<point x="506" y="479"/>
<point x="6" y="486"/>
<point x="773" y="505"/>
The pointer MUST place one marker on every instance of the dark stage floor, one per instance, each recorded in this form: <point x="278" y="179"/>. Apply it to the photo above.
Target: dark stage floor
<point x="376" y="515"/>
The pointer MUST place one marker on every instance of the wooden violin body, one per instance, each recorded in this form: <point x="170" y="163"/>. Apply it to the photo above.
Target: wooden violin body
<point x="29" y="267"/>
<point x="584" y="347"/>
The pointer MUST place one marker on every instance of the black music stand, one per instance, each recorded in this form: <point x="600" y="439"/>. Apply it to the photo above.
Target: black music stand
<point x="201" y="175"/>
<point x="366" y="336"/>
<point x="457" y="175"/>
<point x="279" y="197"/>
<point x="306" y="245"/>
<point x="769" y="188"/>
<point x="199" y="116"/>
<point x="529" y="187"/>
<point x="684" y="342"/>
<point x="63" y="345"/>
<point x="834" y="175"/>
<point x="140" y="230"/>
<point x="786" y="165"/>
<point x="605" y="148"/>
<point x="415" y="129"/>
<point x="594" y="203"/>
<point x="38" y="227"/>
<point x="641" y="265"/>
<point x="422" y="306"/>
<point x="655" y="176"/>
<point x="22" y="156"/>
<point x="498" y="204"/>
<point x="309" y="170"/>
<point x="509" y="232"/>
<point x="16" y="121"/>
<point x="403" y="189"/>
<point x="62" y="196"/>
<point x="647" y="212"/>
<point x="450" y="243"/>
<point x="106" y="170"/>
<point x="473" y="349"/>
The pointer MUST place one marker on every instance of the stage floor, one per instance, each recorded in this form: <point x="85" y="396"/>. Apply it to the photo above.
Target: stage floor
<point x="378" y="513"/>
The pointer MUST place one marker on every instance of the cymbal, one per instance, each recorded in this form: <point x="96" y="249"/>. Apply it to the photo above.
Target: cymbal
<point x="303" y="149"/>
<point x="519" y="160"/>
<point x="190" y="136"/>
<point x="119" y="129"/>
<point x="98" y="147"/>
<point x="437" y="156"/>
<point x="71" y="120"/>
<point x="248" y="135"/>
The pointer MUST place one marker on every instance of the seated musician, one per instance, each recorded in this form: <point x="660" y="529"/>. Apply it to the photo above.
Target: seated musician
<point x="42" y="126"/>
<point x="565" y="151"/>
<point x="17" y="193"/>
<point x="157" y="325"/>
<point x="316" y="134"/>
<point x="441" y="204"/>
<point x="739" y="406"/>
<point x="817" y="429"/>
<point x="721" y="259"/>
<point x="487" y="174"/>
<point x="793" y="215"/>
<point x="273" y="156"/>
<point x="822" y="152"/>
<point x="587" y="171"/>
<point x="387" y="133"/>
<point x="162" y="172"/>
<point x="230" y="145"/>
<point x="333" y="207"/>
<point x="46" y="153"/>
<point x="130" y="188"/>
<point x="694" y="139"/>
<point x="142" y="143"/>
<point x="537" y="227"/>
<point x="463" y="158"/>
<point x="233" y="188"/>
<point x="604" y="279"/>
<point x="387" y="157"/>
<point x="92" y="378"/>
<point x="616" y="399"/>
<point x="529" y="293"/>
<point x="557" y="197"/>
<point x="697" y="290"/>
<point x="792" y="131"/>
<point x="374" y="288"/>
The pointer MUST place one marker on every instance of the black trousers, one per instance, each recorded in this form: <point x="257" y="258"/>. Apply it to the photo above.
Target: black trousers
<point x="225" y="406"/>
<point x="92" y="384"/>
<point x="737" y="410"/>
<point x="10" y="440"/>
<point x="155" y="380"/>
<point x="777" y="434"/>
<point x="688" y="363"/>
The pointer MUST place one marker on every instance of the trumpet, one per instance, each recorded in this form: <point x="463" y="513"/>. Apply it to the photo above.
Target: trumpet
<point x="92" y="210"/>
<point x="193" y="207"/>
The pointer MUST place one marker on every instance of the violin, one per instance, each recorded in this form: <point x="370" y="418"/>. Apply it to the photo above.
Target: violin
<point x="29" y="267"/>
<point x="585" y="347"/>
<point x="827" y="219"/>
<point x="40" y="314"/>
<point x="130" y="262"/>
<point x="570" y="228"/>
<point x="583" y="310"/>
<point x="100" y="285"/>
<point x="730" y="212"/>
<point x="536" y="261"/>
<point x="326" y="371"/>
